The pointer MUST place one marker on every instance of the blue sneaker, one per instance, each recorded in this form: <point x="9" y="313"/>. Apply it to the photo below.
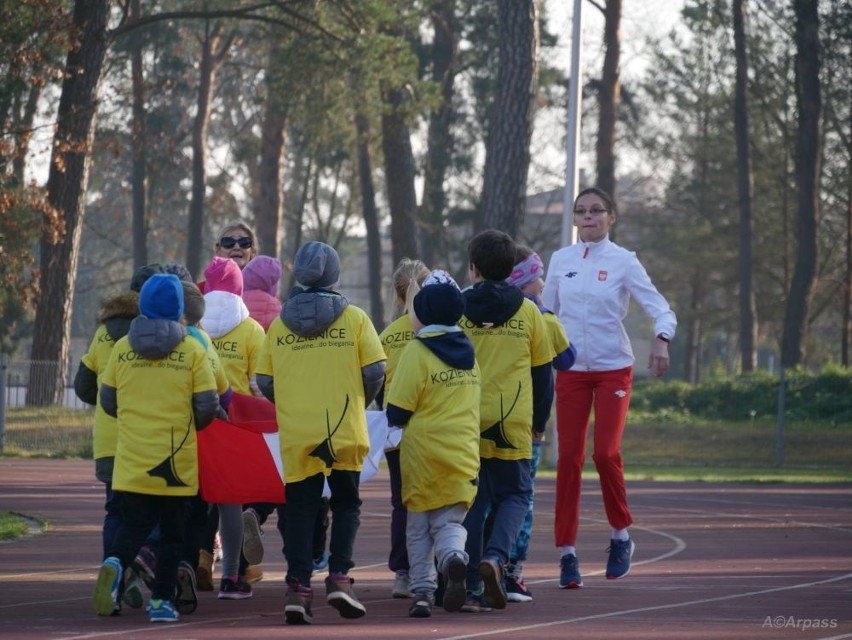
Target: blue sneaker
<point x="620" y="553"/>
<point x="162" y="611"/>
<point x="105" y="598"/>
<point x="321" y="562"/>
<point x="569" y="572"/>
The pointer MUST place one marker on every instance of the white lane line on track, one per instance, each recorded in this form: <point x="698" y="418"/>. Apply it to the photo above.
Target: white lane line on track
<point x="749" y="516"/>
<point x="662" y="607"/>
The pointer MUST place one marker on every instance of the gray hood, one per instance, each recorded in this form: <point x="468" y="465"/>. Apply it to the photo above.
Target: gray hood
<point x="309" y="312"/>
<point x="155" y="338"/>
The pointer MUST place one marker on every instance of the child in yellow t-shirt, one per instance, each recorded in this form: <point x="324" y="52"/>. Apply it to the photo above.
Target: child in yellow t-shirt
<point x="514" y="353"/>
<point x="321" y="364"/>
<point x="407" y="279"/>
<point x="528" y="276"/>
<point x="160" y="387"/>
<point x="435" y="395"/>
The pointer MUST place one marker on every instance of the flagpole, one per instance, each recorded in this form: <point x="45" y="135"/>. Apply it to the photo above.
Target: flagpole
<point x="572" y="137"/>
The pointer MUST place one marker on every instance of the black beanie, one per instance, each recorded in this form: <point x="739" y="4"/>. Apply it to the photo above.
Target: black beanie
<point x="143" y="273"/>
<point x="439" y="304"/>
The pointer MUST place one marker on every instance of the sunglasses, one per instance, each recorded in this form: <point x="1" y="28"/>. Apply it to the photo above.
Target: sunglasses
<point x="228" y="242"/>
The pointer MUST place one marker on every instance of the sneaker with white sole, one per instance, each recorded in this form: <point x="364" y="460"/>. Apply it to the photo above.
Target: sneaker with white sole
<point x="105" y="598"/>
<point x="620" y="553"/>
<point x="401" y="583"/>
<point x="297" y="607"/>
<point x="252" y="537"/>
<point x="516" y="590"/>
<point x="340" y="595"/>
<point x="162" y="611"/>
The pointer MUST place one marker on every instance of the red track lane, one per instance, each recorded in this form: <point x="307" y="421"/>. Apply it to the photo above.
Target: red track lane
<point x="713" y="562"/>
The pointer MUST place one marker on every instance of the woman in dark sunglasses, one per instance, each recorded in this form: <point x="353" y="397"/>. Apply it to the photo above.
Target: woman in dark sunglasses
<point x="237" y="242"/>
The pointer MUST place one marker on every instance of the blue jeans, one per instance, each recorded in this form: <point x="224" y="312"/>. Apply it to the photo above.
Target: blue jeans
<point x="504" y="489"/>
<point x="522" y="544"/>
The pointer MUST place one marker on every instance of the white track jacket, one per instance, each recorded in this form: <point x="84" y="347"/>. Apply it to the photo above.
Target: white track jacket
<point x="588" y="287"/>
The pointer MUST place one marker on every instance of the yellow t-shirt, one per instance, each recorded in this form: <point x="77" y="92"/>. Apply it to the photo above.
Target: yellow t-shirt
<point x="157" y="451"/>
<point x="394" y="339"/>
<point x="222" y="382"/>
<point x="105" y="431"/>
<point x="319" y="393"/>
<point x="439" y="453"/>
<point x="556" y="332"/>
<point x="238" y="352"/>
<point x="505" y="355"/>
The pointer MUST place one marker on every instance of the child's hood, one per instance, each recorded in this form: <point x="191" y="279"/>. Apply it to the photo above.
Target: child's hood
<point x="491" y="302"/>
<point x="154" y="338"/>
<point x="223" y="311"/>
<point x="309" y="312"/>
<point x="452" y="347"/>
<point x="117" y="311"/>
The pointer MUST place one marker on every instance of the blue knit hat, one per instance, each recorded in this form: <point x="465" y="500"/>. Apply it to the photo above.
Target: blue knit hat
<point x="161" y="297"/>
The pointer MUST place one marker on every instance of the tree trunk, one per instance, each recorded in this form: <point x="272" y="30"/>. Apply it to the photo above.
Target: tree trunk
<point x="66" y="192"/>
<point x="609" y="100"/>
<point x="507" y="157"/>
<point x="269" y="209"/>
<point x="139" y="171"/>
<point x="211" y="57"/>
<point x="399" y="173"/>
<point x="748" y="306"/>
<point x="809" y="101"/>
<point x="371" y="219"/>
<point x="692" y="354"/>
<point x="440" y="139"/>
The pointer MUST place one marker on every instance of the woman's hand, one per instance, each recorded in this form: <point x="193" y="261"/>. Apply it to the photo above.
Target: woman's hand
<point x="658" y="362"/>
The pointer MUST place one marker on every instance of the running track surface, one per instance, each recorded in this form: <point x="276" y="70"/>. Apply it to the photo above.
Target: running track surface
<point x="713" y="562"/>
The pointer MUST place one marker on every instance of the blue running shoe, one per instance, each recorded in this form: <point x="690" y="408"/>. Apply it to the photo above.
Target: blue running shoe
<point x="620" y="553"/>
<point x="105" y="598"/>
<point x="321" y="562"/>
<point x="162" y="611"/>
<point x="569" y="572"/>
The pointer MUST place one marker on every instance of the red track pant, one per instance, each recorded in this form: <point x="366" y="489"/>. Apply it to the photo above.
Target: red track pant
<point x="577" y="392"/>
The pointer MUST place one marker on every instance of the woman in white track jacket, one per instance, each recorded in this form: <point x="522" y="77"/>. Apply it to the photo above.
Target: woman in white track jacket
<point x="588" y="286"/>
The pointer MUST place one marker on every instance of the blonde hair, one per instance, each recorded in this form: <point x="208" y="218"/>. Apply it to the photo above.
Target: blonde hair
<point x="407" y="278"/>
<point x="239" y="226"/>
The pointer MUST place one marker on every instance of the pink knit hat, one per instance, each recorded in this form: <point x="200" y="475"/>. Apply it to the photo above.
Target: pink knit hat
<point x="223" y="274"/>
<point x="264" y="273"/>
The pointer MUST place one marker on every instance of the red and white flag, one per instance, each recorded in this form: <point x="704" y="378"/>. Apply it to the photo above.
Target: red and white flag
<point x="239" y="461"/>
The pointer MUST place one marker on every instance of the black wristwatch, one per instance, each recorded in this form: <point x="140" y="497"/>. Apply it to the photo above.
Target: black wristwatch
<point x="664" y="337"/>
